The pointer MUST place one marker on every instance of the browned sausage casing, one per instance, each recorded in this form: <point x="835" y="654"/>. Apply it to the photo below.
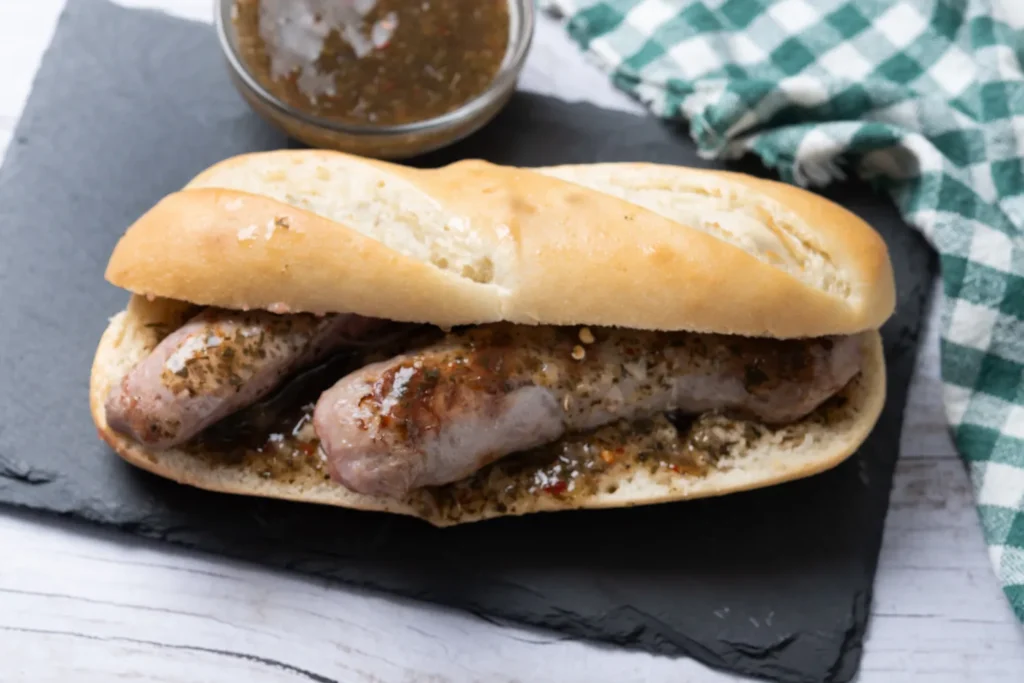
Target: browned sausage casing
<point x="217" y="363"/>
<point x="439" y="414"/>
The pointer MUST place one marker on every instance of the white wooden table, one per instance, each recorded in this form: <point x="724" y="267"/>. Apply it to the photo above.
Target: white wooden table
<point x="77" y="604"/>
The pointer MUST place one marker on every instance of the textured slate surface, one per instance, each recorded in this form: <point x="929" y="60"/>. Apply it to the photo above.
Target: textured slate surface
<point x="127" y="106"/>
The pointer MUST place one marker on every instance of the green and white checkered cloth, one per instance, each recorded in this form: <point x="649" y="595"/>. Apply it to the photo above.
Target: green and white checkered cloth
<point x="924" y="98"/>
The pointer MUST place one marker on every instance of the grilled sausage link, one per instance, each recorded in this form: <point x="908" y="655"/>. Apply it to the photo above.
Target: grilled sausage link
<point x="217" y="363"/>
<point x="437" y="415"/>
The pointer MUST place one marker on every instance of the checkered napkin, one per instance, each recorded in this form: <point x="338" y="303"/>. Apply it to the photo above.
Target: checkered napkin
<point x="924" y="98"/>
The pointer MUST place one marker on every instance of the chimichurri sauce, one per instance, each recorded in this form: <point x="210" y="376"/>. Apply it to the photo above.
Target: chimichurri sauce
<point x="373" y="62"/>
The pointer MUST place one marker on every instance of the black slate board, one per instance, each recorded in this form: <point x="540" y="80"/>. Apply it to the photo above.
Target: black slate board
<point x="127" y="106"/>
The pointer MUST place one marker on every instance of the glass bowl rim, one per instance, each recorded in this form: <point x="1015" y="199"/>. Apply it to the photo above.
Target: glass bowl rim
<point x="505" y="79"/>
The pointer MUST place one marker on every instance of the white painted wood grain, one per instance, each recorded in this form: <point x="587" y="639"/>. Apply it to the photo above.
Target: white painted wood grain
<point x="76" y="600"/>
<point x="84" y="605"/>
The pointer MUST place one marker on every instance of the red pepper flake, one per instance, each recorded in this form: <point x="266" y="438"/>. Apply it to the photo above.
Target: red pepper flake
<point x="306" y="447"/>
<point x="674" y="467"/>
<point x="556" y="489"/>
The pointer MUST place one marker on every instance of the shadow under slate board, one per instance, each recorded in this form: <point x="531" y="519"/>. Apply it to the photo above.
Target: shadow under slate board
<point x="126" y="107"/>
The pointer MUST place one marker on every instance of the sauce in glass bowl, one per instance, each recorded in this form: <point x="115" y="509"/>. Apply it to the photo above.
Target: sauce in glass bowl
<point x="373" y="62"/>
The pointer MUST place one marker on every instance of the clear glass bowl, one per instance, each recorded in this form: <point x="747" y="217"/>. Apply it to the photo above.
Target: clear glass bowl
<point x="384" y="142"/>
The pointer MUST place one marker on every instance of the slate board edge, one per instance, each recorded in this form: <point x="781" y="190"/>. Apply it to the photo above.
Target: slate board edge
<point x="143" y="531"/>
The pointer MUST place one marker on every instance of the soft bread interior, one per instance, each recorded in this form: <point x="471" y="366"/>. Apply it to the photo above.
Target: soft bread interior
<point x="756" y="457"/>
<point x="630" y="245"/>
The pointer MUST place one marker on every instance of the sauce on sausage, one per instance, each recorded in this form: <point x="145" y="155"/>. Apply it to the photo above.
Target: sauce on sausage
<point x="276" y="439"/>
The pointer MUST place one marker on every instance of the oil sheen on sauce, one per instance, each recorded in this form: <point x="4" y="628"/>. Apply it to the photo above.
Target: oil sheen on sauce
<point x="373" y="62"/>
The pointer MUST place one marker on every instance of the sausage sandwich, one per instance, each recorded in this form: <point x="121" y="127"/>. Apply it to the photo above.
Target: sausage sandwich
<point x="479" y="340"/>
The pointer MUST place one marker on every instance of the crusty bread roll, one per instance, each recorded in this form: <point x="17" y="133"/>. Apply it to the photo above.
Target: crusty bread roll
<point x="778" y="454"/>
<point x="630" y="245"/>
